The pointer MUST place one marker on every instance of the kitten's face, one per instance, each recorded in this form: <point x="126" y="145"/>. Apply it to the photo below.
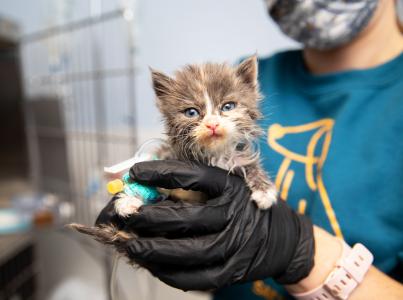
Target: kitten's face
<point x="209" y="108"/>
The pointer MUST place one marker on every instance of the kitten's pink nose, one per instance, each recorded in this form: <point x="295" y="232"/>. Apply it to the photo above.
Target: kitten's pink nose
<point x="212" y="126"/>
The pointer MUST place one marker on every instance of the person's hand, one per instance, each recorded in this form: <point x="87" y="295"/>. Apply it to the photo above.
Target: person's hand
<point x="227" y="240"/>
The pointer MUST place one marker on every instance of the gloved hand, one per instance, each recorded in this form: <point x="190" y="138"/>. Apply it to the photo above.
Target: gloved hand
<point x="227" y="240"/>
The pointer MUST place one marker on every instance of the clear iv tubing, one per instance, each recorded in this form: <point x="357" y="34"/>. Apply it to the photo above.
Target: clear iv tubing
<point x="112" y="283"/>
<point x="140" y="155"/>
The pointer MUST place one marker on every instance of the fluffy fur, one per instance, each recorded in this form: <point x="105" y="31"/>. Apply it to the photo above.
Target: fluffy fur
<point x="210" y="113"/>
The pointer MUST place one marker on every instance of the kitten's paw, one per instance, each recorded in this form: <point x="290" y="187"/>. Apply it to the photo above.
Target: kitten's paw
<point x="265" y="198"/>
<point x="127" y="205"/>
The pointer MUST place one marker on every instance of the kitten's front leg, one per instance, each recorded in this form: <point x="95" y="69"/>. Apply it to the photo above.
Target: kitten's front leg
<point x="264" y="192"/>
<point x="127" y="205"/>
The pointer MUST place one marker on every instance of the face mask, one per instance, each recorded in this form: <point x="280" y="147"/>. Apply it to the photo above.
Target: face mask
<point x="322" y="24"/>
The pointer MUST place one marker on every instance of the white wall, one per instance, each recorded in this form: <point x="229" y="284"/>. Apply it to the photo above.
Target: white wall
<point x="173" y="33"/>
<point x="169" y="34"/>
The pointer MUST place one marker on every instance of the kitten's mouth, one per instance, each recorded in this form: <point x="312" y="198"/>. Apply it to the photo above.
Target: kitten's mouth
<point x="212" y="139"/>
<point x="215" y="140"/>
<point x="215" y="134"/>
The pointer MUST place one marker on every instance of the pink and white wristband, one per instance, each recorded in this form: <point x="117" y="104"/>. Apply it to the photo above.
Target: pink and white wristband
<point x="347" y="275"/>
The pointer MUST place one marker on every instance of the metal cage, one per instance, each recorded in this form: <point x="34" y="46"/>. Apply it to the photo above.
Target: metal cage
<point x="80" y="107"/>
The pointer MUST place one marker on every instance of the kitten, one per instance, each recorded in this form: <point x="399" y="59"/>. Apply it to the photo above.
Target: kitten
<point x="210" y="113"/>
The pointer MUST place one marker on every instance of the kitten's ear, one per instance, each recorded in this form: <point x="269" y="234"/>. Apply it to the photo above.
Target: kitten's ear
<point x="247" y="71"/>
<point x="162" y="83"/>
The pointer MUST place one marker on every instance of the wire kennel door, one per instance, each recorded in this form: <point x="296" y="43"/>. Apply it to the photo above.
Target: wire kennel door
<point x="79" y="90"/>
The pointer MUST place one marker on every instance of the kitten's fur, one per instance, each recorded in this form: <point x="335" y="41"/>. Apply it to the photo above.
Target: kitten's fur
<point x="214" y="137"/>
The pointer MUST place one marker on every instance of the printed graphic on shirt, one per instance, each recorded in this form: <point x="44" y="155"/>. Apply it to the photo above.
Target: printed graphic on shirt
<point x="265" y="291"/>
<point x="313" y="160"/>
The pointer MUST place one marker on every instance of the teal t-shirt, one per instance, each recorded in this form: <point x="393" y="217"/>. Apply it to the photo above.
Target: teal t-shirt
<point x="334" y="147"/>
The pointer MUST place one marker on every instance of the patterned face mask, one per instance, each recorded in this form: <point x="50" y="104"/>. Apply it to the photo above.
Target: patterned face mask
<point x="322" y="24"/>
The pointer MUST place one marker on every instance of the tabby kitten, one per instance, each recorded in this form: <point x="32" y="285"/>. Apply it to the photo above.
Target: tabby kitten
<point x="210" y="113"/>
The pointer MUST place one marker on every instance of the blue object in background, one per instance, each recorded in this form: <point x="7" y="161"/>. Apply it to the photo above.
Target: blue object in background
<point x="11" y="221"/>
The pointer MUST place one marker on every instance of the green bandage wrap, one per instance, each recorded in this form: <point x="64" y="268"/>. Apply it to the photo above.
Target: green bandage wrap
<point x="147" y="193"/>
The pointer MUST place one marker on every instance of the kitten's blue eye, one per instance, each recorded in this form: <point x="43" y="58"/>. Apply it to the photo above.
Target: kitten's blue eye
<point x="228" y="106"/>
<point x="191" y="112"/>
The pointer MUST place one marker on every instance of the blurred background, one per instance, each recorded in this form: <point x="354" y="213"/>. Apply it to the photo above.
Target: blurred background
<point x="75" y="96"/>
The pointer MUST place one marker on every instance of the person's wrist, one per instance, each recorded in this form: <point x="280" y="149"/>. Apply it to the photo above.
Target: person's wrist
<point x="327" y="252"/>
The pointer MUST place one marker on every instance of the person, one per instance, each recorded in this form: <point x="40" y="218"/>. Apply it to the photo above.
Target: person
<point x="334" y="143"/>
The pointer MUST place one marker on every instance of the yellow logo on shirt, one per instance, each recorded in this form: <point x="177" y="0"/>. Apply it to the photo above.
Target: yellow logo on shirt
<point x="285" y="175"/>
<point x="321" y="128"/>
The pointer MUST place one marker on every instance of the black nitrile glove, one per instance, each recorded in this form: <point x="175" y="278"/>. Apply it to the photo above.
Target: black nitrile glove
<point x="227" y="240"/>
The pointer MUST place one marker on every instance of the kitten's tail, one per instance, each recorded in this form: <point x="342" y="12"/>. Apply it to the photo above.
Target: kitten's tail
<point x="106" y="234"/>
